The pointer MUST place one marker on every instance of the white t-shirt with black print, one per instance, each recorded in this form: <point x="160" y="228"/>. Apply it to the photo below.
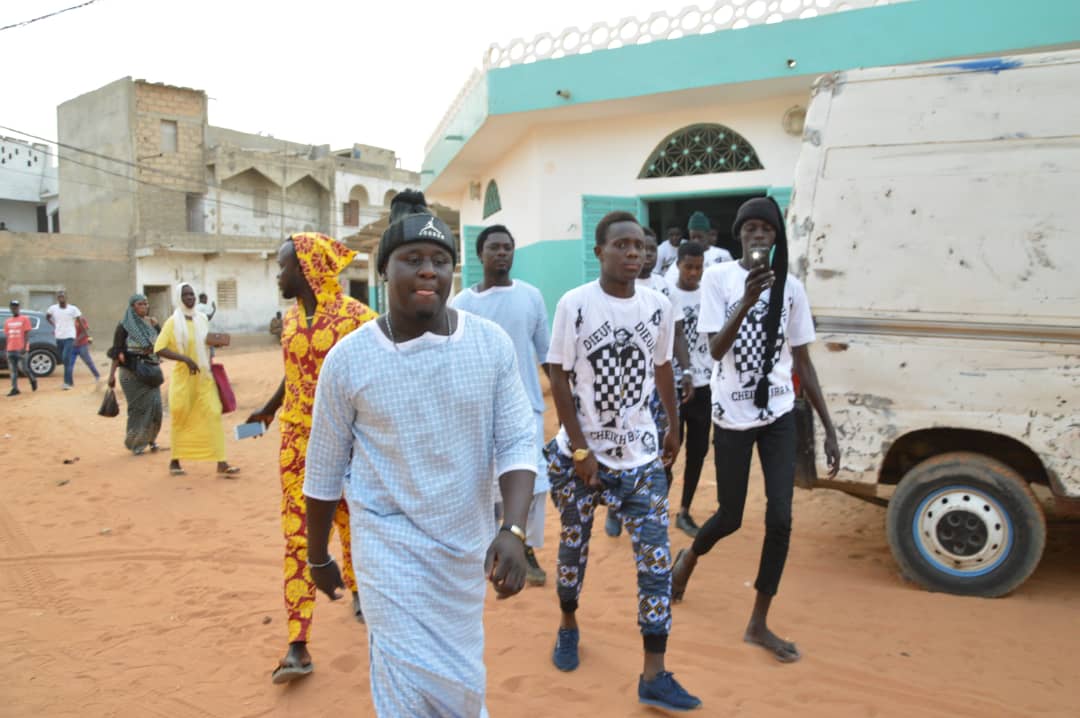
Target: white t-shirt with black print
<point x="656" y="283"/>
<point x="666" y="254"/>
<point x="736" y="375"/>
<point x="713" y="255"/>
<point x="611" y="346"/>
<point x="687" y="308"/>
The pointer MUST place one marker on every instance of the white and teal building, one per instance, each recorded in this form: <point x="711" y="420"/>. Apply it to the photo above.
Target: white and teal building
<point x="695" y="110"/>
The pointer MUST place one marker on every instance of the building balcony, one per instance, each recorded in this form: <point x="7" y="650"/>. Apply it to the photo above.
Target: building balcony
<point x="149" y="244"/>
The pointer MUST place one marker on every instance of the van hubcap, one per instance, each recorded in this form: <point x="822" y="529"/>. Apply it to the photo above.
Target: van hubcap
<point x="963" y="529"/>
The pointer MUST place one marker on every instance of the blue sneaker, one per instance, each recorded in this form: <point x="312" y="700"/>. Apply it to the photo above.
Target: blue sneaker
<point x="612" y="527"/>
<point x="565" y="655"/>
<point x="665" y="692"/>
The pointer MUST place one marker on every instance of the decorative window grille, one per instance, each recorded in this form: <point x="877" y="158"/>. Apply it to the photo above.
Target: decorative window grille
<point x="701" y="150"/>
<point x="226" y="294"/>
<point x="491" y="199"/>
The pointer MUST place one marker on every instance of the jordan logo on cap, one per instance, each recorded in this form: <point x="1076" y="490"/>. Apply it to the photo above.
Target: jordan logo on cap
<point x="431" y="231"/>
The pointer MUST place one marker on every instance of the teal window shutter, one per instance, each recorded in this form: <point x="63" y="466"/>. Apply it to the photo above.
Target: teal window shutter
<point x="593" y="209"/>
<point x="492" y="203"/>
<point x="471" y="270"/>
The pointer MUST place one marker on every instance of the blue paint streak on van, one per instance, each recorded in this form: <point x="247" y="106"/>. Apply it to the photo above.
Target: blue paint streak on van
<point x="990" y="64"/>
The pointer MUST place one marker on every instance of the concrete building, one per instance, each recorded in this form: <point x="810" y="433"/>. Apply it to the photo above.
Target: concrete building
<point x="29" y="199"/>
<point x="664" y="116"/>
<point x="211" y="205"/>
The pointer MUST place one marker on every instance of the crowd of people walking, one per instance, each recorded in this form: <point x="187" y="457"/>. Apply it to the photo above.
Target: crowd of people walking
<point x="419" y="434"/>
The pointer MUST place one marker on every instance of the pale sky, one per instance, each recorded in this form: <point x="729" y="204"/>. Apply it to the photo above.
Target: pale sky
<point x="311" y="71"/>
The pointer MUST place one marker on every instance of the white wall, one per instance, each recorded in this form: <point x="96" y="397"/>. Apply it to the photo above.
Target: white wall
<point x="23" y="168"/>
<point x="256" y="284"/>
<point x="542" y="180"/>
<point x="18" y="216"/>
<point x="376" y="188"/>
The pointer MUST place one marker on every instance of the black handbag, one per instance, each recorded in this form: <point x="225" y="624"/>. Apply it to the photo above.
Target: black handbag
<point x="109" y="405"/>
<point x="147" y="372"/>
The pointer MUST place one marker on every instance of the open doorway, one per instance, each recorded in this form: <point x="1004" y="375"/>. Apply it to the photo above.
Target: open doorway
<point x="358" y="289"/>
<point x="157" y="295"/>
<point x="720" y="210"/>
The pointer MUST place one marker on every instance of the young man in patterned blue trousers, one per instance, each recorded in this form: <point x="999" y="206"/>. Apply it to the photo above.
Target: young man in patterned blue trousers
<point x="611" y="345"/>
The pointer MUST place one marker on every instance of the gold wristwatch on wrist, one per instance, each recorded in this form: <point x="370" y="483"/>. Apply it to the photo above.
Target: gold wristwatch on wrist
<point x="581" y="454"/>
<point x="516" y="530"/>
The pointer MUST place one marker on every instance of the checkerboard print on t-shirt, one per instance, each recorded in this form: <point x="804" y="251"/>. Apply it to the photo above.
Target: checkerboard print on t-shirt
<point x="749" y="347"/>
<point x="620" y="369"/>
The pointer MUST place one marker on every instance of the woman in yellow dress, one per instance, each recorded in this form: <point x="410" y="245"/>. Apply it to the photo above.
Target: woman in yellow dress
<point x="194" y="405"/>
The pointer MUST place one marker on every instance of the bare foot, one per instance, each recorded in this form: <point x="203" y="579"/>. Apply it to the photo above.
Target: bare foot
<point x="296" y="664"/>
<point x="783" y="651"/>
<point x="685" y="561"/>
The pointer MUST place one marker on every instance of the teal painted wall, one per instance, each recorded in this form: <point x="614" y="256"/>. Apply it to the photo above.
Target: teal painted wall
<point x="910" y="32"/>
<point x="918" y="31"/>
<point x="554" y="267"/>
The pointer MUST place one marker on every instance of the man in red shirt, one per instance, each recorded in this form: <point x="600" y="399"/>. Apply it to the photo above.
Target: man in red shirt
<point x="17" y="332"/>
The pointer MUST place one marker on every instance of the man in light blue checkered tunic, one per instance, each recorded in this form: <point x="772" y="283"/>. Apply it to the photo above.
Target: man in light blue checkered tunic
<point x="412" y="414"/>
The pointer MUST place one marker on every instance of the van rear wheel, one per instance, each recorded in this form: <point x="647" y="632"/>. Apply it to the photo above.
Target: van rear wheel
<point x="967" y="524"/>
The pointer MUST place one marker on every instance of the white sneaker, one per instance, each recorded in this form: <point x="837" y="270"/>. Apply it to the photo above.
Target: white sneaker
<point x="67" y="386"/>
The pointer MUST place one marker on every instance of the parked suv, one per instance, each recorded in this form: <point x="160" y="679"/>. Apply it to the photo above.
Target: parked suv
<point x="44" y="354"/>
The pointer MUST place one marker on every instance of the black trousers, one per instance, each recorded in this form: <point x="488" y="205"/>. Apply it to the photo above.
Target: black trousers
<point x="695" y="418"/>
<point x="776" y="450"/>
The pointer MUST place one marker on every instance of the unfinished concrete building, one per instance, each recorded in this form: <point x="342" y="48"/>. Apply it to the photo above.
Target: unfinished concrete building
<point x="211" y="205"/>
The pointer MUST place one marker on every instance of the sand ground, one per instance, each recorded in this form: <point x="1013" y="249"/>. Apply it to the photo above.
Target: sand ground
<point x="127" y="592"/>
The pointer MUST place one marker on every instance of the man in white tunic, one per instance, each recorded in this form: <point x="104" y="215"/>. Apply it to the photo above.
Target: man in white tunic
<point x="412" y="414"/>
<point x="518" y="308"/>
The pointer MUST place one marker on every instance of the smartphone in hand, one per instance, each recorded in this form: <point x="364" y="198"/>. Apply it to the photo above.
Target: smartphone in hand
<point x="247" y="431"/>
<point x="759" y="258"/>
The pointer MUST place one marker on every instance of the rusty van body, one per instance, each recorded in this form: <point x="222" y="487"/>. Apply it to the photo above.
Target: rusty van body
<point x="936" y="223"/>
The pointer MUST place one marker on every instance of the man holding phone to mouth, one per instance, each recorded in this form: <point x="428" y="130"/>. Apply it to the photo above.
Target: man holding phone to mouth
<point x="759" y="325"/>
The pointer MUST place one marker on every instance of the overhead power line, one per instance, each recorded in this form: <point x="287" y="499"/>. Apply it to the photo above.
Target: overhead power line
<point x="166" y="173"/>
<point x="24" y="23"/>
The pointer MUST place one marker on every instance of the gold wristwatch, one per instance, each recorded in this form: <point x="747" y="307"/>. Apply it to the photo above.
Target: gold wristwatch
<point x="581" y="454"/>
<point x="516" y="530"/>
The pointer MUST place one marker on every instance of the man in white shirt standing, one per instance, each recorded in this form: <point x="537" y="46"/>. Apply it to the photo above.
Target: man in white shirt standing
<point x="63" y="316"/>
<point x="694" y="413"/>
<point x="206" y="306"/>
<point x="610" y="345"/>
<point x="759" y="325"/>
<point x="518" y="308"/>
<point x="666" y="252"/>
<point x="701" y="231"/>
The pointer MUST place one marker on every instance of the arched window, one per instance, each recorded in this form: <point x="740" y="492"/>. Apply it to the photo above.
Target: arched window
<point x="701" y="150"/>
<point x="491" y="199"/>
<point x="389" y="197"/>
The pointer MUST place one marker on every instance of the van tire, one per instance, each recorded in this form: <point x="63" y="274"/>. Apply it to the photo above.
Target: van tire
<point x="967" y="524"/>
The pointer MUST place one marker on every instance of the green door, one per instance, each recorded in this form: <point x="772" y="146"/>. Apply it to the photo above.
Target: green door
<point x="593" y="209"/>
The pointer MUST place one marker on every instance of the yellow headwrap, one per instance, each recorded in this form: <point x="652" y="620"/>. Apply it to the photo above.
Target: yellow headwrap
<point x="322" y="259"/>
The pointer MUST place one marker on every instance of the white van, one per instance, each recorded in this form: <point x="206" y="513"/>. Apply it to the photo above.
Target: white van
<point x="936" y="224"/>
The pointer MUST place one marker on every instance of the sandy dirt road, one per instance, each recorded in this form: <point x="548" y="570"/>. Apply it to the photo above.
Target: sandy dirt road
<point x="127" y="592"/>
